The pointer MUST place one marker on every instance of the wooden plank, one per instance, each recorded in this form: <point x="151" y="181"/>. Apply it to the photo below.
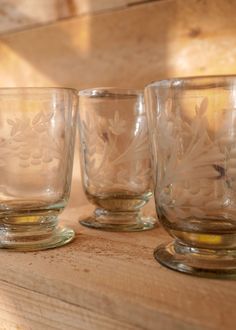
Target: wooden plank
<point x="17" y="15"/>
<point x="24" y="309"/>
<point x="110" y="278"/>
<point x="127" y="48"/>
<point x="203" y="44"/>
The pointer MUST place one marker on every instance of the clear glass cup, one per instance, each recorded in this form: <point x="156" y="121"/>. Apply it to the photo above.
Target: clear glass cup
<point x="36" y="156"/>
<point x="192" y="125"/>
<point x="115" y="158"/>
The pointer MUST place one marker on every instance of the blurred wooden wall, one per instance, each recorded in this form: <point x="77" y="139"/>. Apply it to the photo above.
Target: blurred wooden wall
<point x="84" y="43"/>
<point x="125" y="43"/>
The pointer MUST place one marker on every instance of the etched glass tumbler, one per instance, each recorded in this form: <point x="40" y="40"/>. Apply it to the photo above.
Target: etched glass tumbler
<point x="192" y="126"/>
<point x="115" y="158"/>
<point x="36" y="155"/>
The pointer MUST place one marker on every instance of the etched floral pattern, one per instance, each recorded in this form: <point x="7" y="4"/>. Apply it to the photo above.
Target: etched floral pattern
<point x="196" y="166"/>
<point x="113" y="156"/>
<point x="117" y="125"/>
<point x="29" y="141"/>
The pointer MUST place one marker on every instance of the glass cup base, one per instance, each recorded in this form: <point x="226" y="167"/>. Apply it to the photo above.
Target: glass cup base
<point x="119" y="221"/>
<point x="218" y="263"/>
<point x="35" y="239"/>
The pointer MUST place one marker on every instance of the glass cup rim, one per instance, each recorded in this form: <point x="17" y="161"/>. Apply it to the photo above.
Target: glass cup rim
<point x="15" y="90"/>
<point x="99" y="92"/>
<point x="206" y="81"/>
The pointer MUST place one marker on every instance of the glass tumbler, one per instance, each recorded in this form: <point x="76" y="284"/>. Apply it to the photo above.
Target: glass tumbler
<point x="36" y="156"/>
<point x="192" y="126"/>
<point x="115" y="158"/>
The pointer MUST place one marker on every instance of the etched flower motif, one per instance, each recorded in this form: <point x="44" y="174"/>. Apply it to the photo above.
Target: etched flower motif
<point x="117" y="126"/>
<point x="104" y="152"/>
<point x="25" y="135"/>
<point x="199" y="168"/>
<point x="123" y="176"/>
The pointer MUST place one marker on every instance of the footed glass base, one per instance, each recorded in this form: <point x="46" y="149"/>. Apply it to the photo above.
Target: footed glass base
<point x="119" y="221"/>
<point x="60" y="236"/>
<point x="217" y="263"/>
<point x="33" y="233"/>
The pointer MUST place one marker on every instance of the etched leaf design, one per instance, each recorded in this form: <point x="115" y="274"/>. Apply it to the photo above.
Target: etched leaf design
<point x="24" y="135"/>
<point x="136" y="149"/>
<point x="103" y="152"/>
<point x="203" y="107"/>
<point x="10" y="122"/>
<point x="117" y="125"/>
<point x="197" y="172"/>
<point x="15" y="126"/>
<point x="37" y="118"/>
<point x="47" y="116"/>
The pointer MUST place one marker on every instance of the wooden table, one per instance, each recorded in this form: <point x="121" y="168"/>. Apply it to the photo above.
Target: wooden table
<point x="108" y="281"/>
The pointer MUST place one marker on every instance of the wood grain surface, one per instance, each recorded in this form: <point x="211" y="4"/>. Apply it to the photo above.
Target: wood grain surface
<point x="18" y="15"/>
<point x="124" y="48"/>
<point x="108" y="281"/>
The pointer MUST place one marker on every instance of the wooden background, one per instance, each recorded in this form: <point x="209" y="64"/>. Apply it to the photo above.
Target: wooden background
<point x="124" y="43"/>
<point x="128" y="43"/>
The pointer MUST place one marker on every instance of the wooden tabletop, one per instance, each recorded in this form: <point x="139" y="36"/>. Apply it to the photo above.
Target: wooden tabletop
<point x="108" y="281"/>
